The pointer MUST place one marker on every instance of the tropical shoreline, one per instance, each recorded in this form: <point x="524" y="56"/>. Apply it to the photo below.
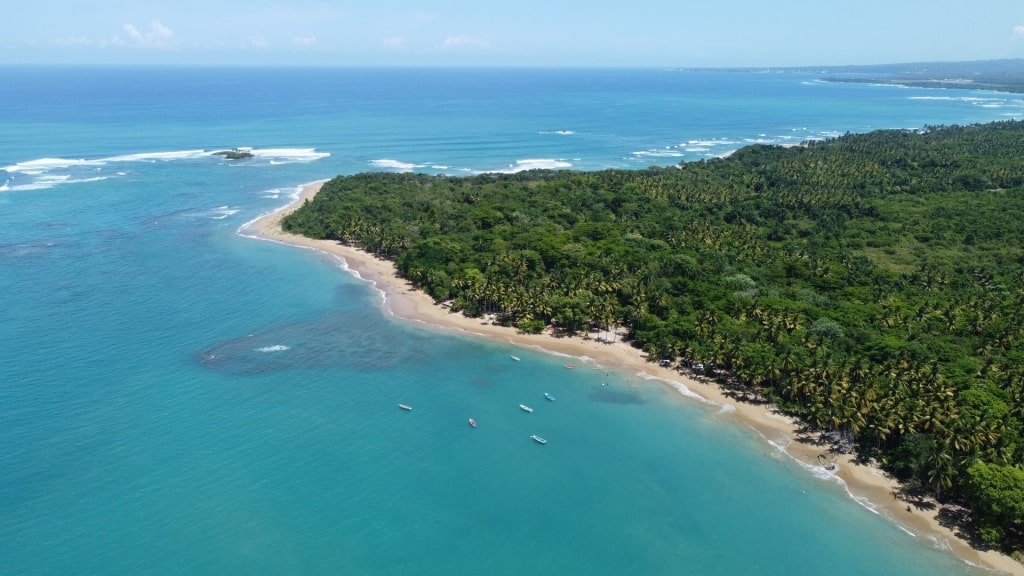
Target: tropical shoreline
<point x="867" y="484"/>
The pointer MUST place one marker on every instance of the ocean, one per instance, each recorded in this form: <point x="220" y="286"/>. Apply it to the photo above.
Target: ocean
<point x="177" y="397"/>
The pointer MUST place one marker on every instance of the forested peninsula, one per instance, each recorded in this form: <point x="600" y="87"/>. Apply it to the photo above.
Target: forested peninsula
<point x="1006" y="75"/>
<point x="871" y="285"/>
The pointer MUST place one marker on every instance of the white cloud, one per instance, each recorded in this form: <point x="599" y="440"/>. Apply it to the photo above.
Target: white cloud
<point x="257" y="41"/>
<point x="463" y="42"/>
<point x="396" y="42"/>
<point x="1018" y="32"/>
<point x="158" y="36"/>
<point x="304" y="40"/>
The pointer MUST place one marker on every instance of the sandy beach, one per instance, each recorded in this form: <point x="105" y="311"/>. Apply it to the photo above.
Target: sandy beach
<point x="867" y="484"/>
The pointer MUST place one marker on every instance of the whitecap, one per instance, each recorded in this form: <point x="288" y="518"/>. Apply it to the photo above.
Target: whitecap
<point x="288" y="155"/>
<point x="716" y="142"/>
<point x="274" y="348"/>
<point x="43" y="165"/>
<point x="53" y="178"/>
<point x="389" y="164"/>
<point x="276" y="156"/>
<point x="83" y="180"/>
<point x="154" y="156"/>
<point x="535" y="164"/>
<point x="658" y="153"/>
<point x="222" y="212"/>
<point x="44" y="173"/>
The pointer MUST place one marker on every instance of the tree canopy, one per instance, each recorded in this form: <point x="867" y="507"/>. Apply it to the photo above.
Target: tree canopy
<point x="872" y="284"/>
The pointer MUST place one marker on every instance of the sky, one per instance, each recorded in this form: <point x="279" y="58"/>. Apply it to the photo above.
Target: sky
<point x="560" y="33"/>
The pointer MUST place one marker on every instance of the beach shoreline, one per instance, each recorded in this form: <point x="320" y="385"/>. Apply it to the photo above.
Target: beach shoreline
<point x="867" y="484"/>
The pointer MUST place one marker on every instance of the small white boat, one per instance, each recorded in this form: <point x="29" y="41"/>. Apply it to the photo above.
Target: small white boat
<point x="405" y="407"/>
<point x="538" y="439"/>
<point x="549" y="396"/>
<point x="570" y="366"/>
<point x="516" y="358"/>
<point x="525" y="408"/>
<point x="472" y="423"/>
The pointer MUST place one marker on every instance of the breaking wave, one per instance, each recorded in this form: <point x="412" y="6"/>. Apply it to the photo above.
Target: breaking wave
<point x="44" y="173"/>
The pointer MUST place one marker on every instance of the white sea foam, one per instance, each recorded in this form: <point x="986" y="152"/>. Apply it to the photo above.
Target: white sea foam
<point x="288" y="155"/>
<point x="534" y="164"/>
<point x="658" y="153"/>
<point x="83" y="180"/>
<point x="43" y="173"/>
<point x="153" y="156"/>
<point x="716" y="142"/>
<point x="293" y="196"/>
<point x="274" y="348"/>
<point x="389" y="164"/>
<point x="558" y="132"/>
<point x="50" y="182"/>
<point x="222" y="212"/>
<point x="54" y="178"/>
<point x="43" y="165"/>
<point x="975" y="100"/>
<point x="678" y="386"/>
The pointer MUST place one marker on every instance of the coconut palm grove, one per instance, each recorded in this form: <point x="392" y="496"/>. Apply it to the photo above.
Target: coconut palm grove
<point x="871" y="285"/>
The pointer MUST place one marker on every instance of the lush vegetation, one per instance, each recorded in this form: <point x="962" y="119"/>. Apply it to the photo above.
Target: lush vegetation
<point x="872" y="285"/>
<point x="1005" y="75"/>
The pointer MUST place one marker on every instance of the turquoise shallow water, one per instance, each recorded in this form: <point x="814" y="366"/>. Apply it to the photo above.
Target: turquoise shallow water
<point x="177" y="398"/>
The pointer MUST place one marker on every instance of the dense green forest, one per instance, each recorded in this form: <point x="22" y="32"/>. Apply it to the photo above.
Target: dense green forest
<point x="872" y="285"/>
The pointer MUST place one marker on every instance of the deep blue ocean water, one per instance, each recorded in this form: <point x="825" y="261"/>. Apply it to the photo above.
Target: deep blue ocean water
<point x="178" y="398"/>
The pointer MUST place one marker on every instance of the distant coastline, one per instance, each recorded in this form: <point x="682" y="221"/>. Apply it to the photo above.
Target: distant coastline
<point x="866" y="483"/>
<point x="947" y="83"/>
<point x="1006" y="75"/>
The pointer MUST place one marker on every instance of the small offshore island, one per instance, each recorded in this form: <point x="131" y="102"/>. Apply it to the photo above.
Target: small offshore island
<point x="235" y="154"/>
<point x="869" y="287"/>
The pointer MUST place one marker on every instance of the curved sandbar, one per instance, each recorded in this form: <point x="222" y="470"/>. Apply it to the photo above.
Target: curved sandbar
<point x="863" y="482"/>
